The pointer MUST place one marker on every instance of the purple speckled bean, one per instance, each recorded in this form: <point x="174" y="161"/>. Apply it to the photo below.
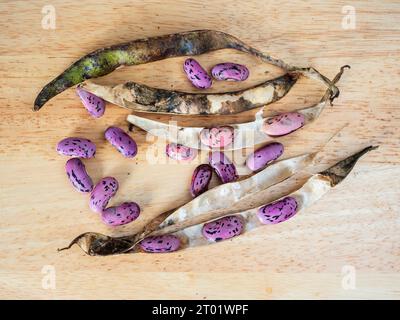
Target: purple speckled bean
<point x="263" y="156"/>
<point x="217" y="137"/>
<point x="224" y="168"/>
<point x="121" y="141"/>
<point x="78" y="176"/>
<point x="283" y="124"/>
<point x="120" y="215"/>
<point x="93" y="104"/>
<point x="277" y="211"/>
<point x="230" y="72"/>
<point x="224" y="228"/>
<point x="159" y="244"/>
<point x="104" y="190"/>
<point x="180" y="152"/>
<point x="200" y="179"/>
<point x="76" y="147"/>
<point x="196" y="74"/>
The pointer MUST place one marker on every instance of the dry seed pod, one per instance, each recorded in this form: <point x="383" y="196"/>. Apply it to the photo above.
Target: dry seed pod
<point x="246" y="135"/>
<point x="103" y="61"/>
<point x="142" y="98"/>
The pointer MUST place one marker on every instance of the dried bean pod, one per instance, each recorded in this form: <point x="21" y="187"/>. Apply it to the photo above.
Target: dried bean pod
<point x="277" y="211"/>
<point x="161" y="244"/>
<point x="224" y="228"/>
<point x="224" y="168"/>
<point x="122" y="214"/>
<point x="217" y="137"/>
<point x="76" y="147"/>
<point x="263" y="156"/>
<point x="121" y="141"/>
<point x="93" y="104"/>
<point x="180" y="152"/>
<point x="196" y="74"/>
<point x="229" y="71"/>
<point x="104" y="190"/>
<point x="78" y="175"/>
<point x="200" y="179"/>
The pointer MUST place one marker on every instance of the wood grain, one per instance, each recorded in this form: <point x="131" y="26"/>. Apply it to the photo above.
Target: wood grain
<point x="356" y="225"/>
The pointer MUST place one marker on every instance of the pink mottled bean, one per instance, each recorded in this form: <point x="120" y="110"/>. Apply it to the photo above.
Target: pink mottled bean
<point x="121" y="141"/>
<point x="196" y="74"/>
<point x="263" y="156"/>
<point x="283" y="124"/>
<point x="78" y="176"/>
<point x="180" y="152"/>
<point x="224" y="228"/>
<point x="224" y="168"/>
<point x="160" y="244"/>
<point x="230" y="72"/>
<point x="122" y="214"/>
<point x="104" y="190"/>
<point x="217" y="137"/>
<point x="93" y="104"/>
<point x="200" y="179"/>
<point x="277" y="211"/>
<point x="76" y="147"/>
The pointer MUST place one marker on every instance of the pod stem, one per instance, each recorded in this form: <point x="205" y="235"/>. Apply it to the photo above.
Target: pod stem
<point x="338" y="172"/>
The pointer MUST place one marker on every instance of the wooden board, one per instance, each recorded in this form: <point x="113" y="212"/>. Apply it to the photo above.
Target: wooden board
<point x="354" y="230"/>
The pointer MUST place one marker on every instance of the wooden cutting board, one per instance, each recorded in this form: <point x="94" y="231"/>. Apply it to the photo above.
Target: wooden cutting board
<point x="345" y="246"/>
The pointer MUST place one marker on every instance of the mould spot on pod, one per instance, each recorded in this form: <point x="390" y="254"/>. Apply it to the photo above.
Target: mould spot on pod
<point x="277" y="211"/>
<point x="283" y="124"/>
<point x="196" y="74"/>
<point x="230" y="72"/>
<point x="160" y="244"/>
<point x="217" y="137"/>
<point x="224" y="228"/>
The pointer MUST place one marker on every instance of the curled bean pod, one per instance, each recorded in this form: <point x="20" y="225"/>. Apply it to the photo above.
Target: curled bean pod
<point x="104" y="190"/>
<point x="78" y="176"/>
<point x="122" y="214"/>
<point x="160" y="244"/>
<point x="180" y="152"/>
<point x="104" y="61"/>
<point x="278" y="211"/>
<point x="217" y="137"/>
<point x="196" y="74"/>
<point x="224" y="168"/>
<point x="76" y="147"/>
<point x="93" y="104"/>
<point x="224" y="228"/>
<point x="200" y="179"/>
<point x="230" y="72"/>
<point x="263" y="156"/>
<point x="121" y="141"/>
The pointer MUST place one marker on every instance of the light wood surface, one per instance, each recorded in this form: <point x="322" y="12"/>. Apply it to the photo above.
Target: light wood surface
<point x="354" y="227"/>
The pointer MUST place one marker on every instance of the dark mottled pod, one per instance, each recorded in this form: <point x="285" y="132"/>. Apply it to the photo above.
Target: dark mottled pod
<point x="264" y="155"/>
<point x="229" y="71"/>
<point x="78" y="175"/>
<point x="200" y="179"/>
<point x="121" y="141"/>
<point x="160" y="244"/>
<point x="277" y="211"/>
<point x="196" y="74"/>
<point x="93" y="104"/>
<point x="120" y="215"/>
<point x="76" y="147"/>
<point x="224" y="228"/>
<point x="224" y="168"/>
<point x="104" y="190"/>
